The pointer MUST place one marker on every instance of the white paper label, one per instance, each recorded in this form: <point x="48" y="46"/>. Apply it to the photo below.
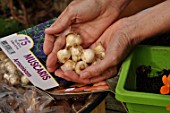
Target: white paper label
<point x="17" y="48"/>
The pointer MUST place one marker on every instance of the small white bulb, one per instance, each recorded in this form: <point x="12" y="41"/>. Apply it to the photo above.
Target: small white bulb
<point x="76" y="52"/>
<point x="63" y="55"/>
<point x="96" y="60"/>
<point x="80" y="66"/>
<point x="99" y="48"/>
<point x="24" y="80"/>
<point x="88" y="55"/>
<point x="2" y="56"/>
<point x="6" y="76"/>
<point x="73" y="40"/>
<point x="10" y="67"/>
<point x="68" y="65"/>
<point x="78" y="40"/>
<point x="14" y="80"/>
<point x="99" y="51"/>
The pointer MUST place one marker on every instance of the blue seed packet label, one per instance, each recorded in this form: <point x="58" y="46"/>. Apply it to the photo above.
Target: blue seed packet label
<point x="25" y="49"/>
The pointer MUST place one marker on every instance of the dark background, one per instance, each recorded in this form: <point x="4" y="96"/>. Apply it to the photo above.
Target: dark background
<point x="16" y="15"/>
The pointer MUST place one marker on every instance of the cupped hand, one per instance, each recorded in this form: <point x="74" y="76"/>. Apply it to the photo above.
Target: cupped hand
<point x="89" y="18"/>
<point x="120" y="38"/>
<point x="117" y="41"/>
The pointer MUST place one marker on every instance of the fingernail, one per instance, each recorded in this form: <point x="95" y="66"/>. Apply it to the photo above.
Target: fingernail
<point x="84" y="75"/>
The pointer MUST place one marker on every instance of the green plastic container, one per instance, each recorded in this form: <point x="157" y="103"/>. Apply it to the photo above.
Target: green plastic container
<point x="143" y="102"/>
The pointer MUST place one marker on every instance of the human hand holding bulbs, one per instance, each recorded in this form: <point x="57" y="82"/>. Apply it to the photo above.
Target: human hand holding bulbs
<point x="75" y="58"/>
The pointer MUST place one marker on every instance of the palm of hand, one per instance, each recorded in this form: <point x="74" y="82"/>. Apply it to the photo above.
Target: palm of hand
<point x="85" y="18"/>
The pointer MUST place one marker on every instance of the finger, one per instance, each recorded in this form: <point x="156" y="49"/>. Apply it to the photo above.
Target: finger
<point x="62" y="23"/>
<point x="71" y="76"/>
<point x="51" y="61"/>
<point x="60" y="74"/>
<point x="96" y="69"/>
<point x="60" y="43"/>
<point x="74" y="77"/>
<point x="87" y="36"/>
<point x="52" y="69"/>
<point x="101" y="83"/>
<point x="106" y="75"/>
<point x="68" y="75"/>
<point x="48" y="43"/>
<point x="96" y="88"/>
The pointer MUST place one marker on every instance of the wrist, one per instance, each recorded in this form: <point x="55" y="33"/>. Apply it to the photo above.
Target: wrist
<point x="121" y="4"/>
<point x="151" y="22"/>
<point x="128" y="28"/>
<point x="147" y="23"/>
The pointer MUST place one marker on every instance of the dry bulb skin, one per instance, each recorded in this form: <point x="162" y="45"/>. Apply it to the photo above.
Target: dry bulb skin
<point x="24" y="80"/>
<point x="75" y="57"/>
<point x="68" y="65"/>
<point x="10" y="67"/>
<point x="10" y="72"/>
<point x="88" y="55"/>
<point x="73" y="40"/>
<point x="63" y="55"/>
<point x="2" y="56"/>
<point x="99" y="51"/>
<point x="14" y="80"/>
<point x="76" y="52"/>
<point x="80" y="66"/>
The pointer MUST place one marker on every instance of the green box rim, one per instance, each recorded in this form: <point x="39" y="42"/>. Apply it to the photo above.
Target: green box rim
<point x="128" y="96"/>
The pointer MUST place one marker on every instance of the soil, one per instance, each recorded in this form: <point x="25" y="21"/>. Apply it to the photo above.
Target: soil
<point x="147" y="83"/>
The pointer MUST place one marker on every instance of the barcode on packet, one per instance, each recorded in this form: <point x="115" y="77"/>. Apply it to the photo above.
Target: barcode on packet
<point x="7" y="47"/>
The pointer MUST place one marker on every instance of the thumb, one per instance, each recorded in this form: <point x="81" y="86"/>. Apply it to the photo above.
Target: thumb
<point x="96" y="69"/>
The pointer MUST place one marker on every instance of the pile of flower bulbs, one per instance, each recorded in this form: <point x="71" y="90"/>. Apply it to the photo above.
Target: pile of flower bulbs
<point x="75" y="57"/>
<point x="10" y="73"/>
